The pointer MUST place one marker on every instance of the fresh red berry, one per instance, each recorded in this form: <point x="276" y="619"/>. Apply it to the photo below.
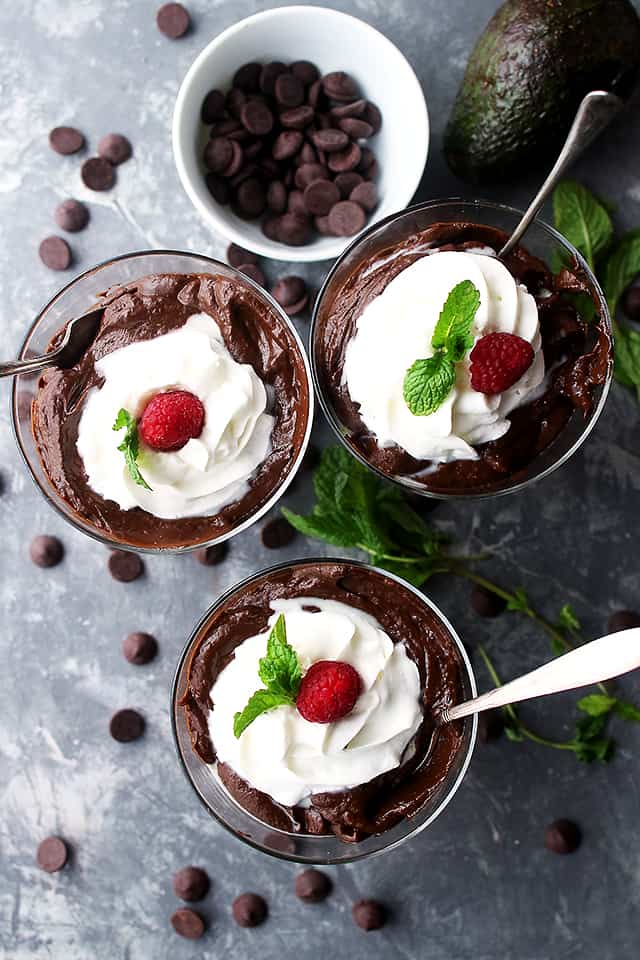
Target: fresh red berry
<point x="328" y="691"/>
<point x="171" y="419"/>
<point x="498" y="361"/>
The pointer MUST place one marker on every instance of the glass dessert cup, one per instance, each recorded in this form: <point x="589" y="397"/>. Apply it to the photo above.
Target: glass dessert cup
<point x="304" y="847"/>
<point x="543" y="242"/>
<point x="76" y="298"/>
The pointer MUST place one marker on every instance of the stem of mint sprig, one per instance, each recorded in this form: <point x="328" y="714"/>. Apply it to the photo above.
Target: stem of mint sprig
<point x="130" y="446"/>
<point x="355" y="509"/>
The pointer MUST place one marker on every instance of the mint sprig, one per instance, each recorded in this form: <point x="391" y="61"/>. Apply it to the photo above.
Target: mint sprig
<point x="428" y="382"/>
<point x="130" y="446"/>
<point x="281" y="674"/>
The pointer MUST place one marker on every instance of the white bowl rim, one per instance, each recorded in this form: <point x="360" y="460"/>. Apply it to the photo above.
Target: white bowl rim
<point x="266" y="247"/>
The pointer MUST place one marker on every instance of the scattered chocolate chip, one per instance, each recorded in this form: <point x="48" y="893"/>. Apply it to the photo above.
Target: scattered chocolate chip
<point x="278" y="533"/>
<point x="211" y="556"/>
<point x="126" y="725"/>
<point x="291" y="293"/>
<point x="139" y="648"/>
<point x="294" y="229"/>
<point x="366" y="195"/>
<point x="312" y="886"/>
<point x="486" y="603"/>
<point x="55" y="253"/>
<point x="97" y="174"/>
<point x="213" y="107"/>
<point x="306" y="72"/>
<point x="257" y="118"/>
<point x="340" y="86"/>
<point x="191" y="884"/>
<point x="125" y="566"/>
<point x="249" y="910"/>
<point x="562" y="836"/>
<point x="52" y="854"/>
<point x="490" y="725"/>
<point x="71" y="215"/>
<point x="187" y="923"/>
<point x="247" y="77"/>
<point x="218" y="154"/>
<point x="346" y="218"/>
<point x="115" y="148"/>
<point x="320" y="196"/>
<point x="46" y="551"/>
<point x="623" y="620"/>
<point x="237" y="255"/>
<point x="368" y="914"/>
<point x="173" y="20"/>
<point x="66" y="140"/>
<point x="253" y="271"/>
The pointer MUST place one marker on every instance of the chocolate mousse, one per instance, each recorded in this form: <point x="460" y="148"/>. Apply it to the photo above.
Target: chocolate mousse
<point x="417" y="638"/>
<point x="574" y="347"/>
<point x="74" y="409"/>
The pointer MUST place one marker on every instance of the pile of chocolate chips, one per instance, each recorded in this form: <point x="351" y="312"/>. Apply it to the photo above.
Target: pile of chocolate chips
<point x="288" y="146"/>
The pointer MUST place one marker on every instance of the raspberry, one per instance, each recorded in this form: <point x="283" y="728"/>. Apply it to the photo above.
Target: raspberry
<point x="498" y="361"/>
<point x="171" y="419"/>
<point x="328" y="691"/>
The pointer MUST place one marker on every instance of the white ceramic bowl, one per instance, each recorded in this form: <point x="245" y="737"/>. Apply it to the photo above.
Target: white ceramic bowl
<point x="333" y="41"/>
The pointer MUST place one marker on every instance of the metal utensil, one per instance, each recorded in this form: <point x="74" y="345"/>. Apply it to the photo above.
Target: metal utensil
<point x="596" y="110"/>
<point x="78" y="336"/>
<point x="593" y="662"/>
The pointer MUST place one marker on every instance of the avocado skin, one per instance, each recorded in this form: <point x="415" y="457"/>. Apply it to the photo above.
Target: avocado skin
<point x="526" y="76"/>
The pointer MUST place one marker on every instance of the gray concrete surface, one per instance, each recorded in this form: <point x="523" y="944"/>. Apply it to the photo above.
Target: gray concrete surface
<point x="479" y="884"/>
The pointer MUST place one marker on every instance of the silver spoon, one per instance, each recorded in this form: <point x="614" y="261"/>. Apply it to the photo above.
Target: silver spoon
<point x="596" y="110"/>
<point x="593" y="662"/>
<point x="78" y="336"/>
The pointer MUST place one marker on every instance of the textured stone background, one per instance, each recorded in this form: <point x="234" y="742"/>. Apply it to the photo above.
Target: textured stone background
<point x="479" y="883"/>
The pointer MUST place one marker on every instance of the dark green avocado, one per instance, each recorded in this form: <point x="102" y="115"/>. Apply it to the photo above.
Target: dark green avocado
<point x="526" y="76"/>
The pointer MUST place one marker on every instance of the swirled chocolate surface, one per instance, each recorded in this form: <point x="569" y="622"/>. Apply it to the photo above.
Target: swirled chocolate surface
<point x="578" y="358"/>
<point x="369" y="808"/>
<point x="142" y="310"/>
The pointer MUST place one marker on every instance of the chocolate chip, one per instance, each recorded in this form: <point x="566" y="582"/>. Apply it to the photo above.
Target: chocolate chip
<point x="307" y="155"/>
<point x="139" y="648"/>
<point x="291" y="293"/>
<point x="247" y="77"/>
<point x="211" y="556"/>
<point x="343" y="160"/>
<point x="372" y="116"/>
<point x="631" y="303"/>
<point x="269" y="74"/>
<point x="287" y="144"/>
<point x="486" y="603"/>
<point x="306" y="72"/>
<point x="623" y="620"/>
<point x="173" y="20"/>
<point x="55" y="253"/>
<point x="308" y="172"/>
<point x="191" y="884"/>
<point x="322" y="226"/>
<point x="294" y="229"/>
<point x="213" y="106"/>
<point x="356" y="129"/>
<point x="315" y="94"/>
<point x="490" y="725"/>
<point x="71" y="215"/>
<point x="295" y="203"/>
<point x="250" y="198"/>
<point x="277" y="196"/>
<point x="235" y="101"/>
<point x="312" y="886"/>
<point x="368" y="163"/>
<point x="126" y="725"/>
<point x="225" y="128"/>
<point x="66" y="140"/>
<point x="249" y="910"/>
<point x="320" y="196"/>
<point x="298" y="118"/>
<point x="346" y="218"/>
<point x="368" y="914"/>
<point x="271" y="228"/>
<point x="346" y="182"/>
<point x="253" y="271"/>
<point x="218" y="154"/>
<point x="218" y="188"/>
<point x="329" y="140"/>
<point x="115" y="148"/>
<point x="52" y="854"/>
<point x="125" y="566"/>
<point x="97" y="174"/>
<point x="340" y="86"/>
<point x="365" y="195"/>
<point x="289" y="90"/>
<point x="278" y="533"/>
<point x="236" y="161"/>
<point x="237" y="255"/>
<point x="187" y="923"/>
<point x="355" y="109"/>
<point x="257" y="118"/>
<point x="562" y="836"/>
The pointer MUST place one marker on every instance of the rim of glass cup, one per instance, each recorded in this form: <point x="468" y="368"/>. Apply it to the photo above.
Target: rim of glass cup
<point x="53" y="498"/>
<point x="349" y="857"/>
<point x="327" y="407"/>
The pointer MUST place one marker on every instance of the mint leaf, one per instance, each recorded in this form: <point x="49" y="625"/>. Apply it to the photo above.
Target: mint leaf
<point x="259" y="702"/>
<point x="627" y="356"/>
<point x="627" y="711"/>
<point x="453" y="329"/>
<point x="428" y="383"/>
<point x="519" y="601"/>
<point x="130" y="445"/>
<point x="597" y="704"/>
<point x="582" y="219"/>
<point x="280" y="670"/>
<point x="621" y="266"/>
<point x="567" y="619"/>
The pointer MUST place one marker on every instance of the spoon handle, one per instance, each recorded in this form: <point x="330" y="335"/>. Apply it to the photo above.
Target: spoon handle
<point x="14" y="367"/>
<point x="594" y="113"/>
<point x="591" y="663"/>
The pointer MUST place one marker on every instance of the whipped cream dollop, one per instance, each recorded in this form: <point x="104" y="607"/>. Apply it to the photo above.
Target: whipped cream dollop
<point x="286" y="756"/>
<point x="395" y="329"/>
<point x="208" y="472"/>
